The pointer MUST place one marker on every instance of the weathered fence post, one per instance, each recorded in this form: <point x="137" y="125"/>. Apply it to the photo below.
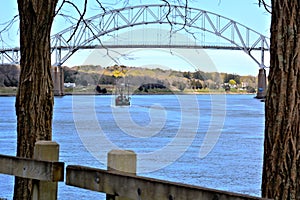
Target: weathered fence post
<point x="123" y="161"/>
<point x="46" y="151"/>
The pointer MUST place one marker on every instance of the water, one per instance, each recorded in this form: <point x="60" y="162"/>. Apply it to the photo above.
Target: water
<point x="213" y="141"/>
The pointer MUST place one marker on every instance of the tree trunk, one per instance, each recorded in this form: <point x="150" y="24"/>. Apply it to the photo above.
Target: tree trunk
<point x="281" y="169"/>
<point x="34" y="102"/>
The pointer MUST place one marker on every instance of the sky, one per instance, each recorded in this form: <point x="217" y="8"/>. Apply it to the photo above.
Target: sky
<point x="246" y="12"/>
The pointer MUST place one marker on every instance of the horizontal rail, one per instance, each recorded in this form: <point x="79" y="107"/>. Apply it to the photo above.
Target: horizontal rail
<point x="33" y="169"/>
<point x="137" y="187"/>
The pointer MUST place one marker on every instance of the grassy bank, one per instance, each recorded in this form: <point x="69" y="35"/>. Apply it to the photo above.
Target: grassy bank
<point x="8" y="91"/>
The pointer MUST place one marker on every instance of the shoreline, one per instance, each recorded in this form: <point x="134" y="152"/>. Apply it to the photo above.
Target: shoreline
<point x="174" y="93"/>
<point x="8" y="92"/>
<point x="8" y="95"/>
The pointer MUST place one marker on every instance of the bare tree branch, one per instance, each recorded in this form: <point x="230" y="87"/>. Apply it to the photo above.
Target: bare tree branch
<point x="68" y="18"/>
<point x="184" y="17"/>
<point x="101" y="6"/>
<point x="7" y="25"/>
<point x="100" y="41"/>
<point x="60" y="7"/>
<point x="81" y="15"/>
<point x="82" y="20"/>
<point x="265" y="5"/>
<point x="168" y="5"/>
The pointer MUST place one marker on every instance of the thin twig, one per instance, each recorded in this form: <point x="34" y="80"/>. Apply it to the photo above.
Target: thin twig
<point x="265" y="5"/>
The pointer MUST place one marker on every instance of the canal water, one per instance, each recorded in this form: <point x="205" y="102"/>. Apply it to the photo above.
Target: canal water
<point x="213" y="141"/>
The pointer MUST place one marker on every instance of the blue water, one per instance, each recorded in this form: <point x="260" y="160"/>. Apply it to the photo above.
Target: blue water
<point x="214" y="141"/>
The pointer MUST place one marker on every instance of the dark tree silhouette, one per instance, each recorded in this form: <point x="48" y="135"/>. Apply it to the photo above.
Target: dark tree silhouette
<point x="281" y="169"/>
<point x="34" y="102"/>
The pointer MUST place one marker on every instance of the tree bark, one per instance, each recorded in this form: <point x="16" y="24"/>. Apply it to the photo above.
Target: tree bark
<point x="281" y="169"/>
<point x="34" y="102"/>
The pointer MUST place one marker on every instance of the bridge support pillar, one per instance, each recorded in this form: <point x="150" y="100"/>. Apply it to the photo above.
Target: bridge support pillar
<point x="58" y="80"/>
<point x="262" y="84"/>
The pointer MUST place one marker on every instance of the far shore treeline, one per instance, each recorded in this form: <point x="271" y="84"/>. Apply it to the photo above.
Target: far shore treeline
<point x="100" y="79"/>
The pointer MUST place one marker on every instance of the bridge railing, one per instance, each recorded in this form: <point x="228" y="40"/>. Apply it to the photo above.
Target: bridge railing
<point x="119" y="182"/>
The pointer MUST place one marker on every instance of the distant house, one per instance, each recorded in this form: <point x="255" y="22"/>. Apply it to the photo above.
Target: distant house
<point x="244" y="85"/>
<point x="69" y="85"/>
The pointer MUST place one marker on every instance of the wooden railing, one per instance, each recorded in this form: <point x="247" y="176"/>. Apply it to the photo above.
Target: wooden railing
<point x="44" y="168"/>
<point x="119" y="182"/>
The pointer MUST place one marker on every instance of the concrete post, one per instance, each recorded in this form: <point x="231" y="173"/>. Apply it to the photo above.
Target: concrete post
<point x="123" y="161"/>
<point x="262" y="84"/>
<point x="46" y="151"/>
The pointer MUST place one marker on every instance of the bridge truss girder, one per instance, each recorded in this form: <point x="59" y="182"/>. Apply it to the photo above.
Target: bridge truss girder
<point x="10" y="55"/>
<point x="195" y="22"/>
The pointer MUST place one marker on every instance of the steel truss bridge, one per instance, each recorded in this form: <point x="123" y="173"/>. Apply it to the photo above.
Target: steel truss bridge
<point x="206" y="30"/>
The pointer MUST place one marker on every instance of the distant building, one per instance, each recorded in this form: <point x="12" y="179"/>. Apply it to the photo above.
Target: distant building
<point x="245" y="84"/>
<point x="69" y="85"/>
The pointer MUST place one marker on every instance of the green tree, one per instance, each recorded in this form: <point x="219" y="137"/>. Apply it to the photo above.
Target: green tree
<point x="199" y="75"/>
<point x="198" y="85"/>
<point x="235" y="77"/>
<point x="187" y="75"/>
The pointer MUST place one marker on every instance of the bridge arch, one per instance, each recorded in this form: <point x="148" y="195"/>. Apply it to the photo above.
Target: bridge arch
<point x="237" y="35"/>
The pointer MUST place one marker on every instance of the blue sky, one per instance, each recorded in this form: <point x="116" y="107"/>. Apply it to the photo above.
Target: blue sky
<point x="245" y="12"/>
